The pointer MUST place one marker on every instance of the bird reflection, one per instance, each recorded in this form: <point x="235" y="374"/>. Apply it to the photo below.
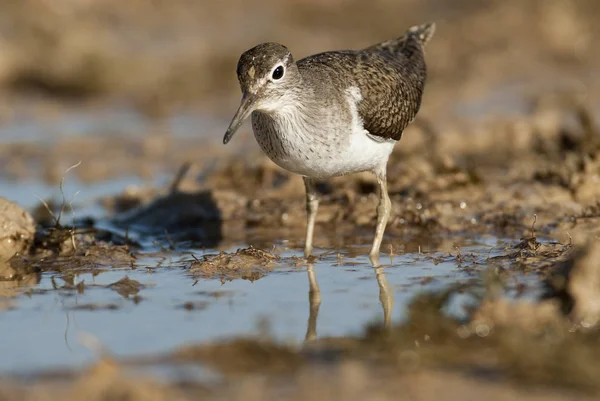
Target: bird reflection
<point x="386" y="298"/>
<point x="314" y="302"/>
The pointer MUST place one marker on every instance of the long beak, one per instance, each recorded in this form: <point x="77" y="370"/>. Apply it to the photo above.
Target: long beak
<point x="246" y="108"/>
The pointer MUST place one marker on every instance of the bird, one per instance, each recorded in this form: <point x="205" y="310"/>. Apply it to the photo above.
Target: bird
<point x="333" y="113"/>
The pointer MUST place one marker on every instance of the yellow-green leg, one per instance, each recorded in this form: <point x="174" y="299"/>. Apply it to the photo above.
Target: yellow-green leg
<point x="383" y="213"/>
<point x="312" y="205"/>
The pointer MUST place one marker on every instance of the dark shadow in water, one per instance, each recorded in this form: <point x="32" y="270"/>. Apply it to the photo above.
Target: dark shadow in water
<point x="177" y="217"/>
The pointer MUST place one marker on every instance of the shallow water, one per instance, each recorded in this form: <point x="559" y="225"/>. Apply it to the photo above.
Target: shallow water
<point x="49" y="326"/>
<point x="27" y="125"/>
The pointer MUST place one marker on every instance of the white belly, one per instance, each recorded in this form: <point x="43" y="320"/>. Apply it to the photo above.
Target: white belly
<point x="333" y="143"/>
<point x="324" y="155"/>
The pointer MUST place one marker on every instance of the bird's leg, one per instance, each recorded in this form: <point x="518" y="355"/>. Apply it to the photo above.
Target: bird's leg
<point x="383" y="213"/>
<point x="312" y="204"/>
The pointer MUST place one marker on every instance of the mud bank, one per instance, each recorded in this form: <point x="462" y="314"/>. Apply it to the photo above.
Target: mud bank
<point x="506" y="151"/>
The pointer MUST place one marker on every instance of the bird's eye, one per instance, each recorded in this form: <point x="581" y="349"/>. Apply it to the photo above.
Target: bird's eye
<point x="278" y="73"/>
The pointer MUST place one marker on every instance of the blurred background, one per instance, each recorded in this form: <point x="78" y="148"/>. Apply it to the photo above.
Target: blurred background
<point x="101" y="72"/>
<point x="163" y="56"/>
<point x="95" y="68"/>
<point x="130" y="61"/>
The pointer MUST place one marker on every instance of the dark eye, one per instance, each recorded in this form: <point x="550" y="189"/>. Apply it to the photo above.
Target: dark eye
<point x="278" y="73"/>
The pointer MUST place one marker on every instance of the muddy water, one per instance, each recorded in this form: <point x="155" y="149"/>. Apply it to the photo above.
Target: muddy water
<point x="25" y="123"/>
<point x="52" y="323"/>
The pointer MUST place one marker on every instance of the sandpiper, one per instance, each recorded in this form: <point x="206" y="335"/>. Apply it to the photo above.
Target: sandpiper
<point x="333" y="113"/>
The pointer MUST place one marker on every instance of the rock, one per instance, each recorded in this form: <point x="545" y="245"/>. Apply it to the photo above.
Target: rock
<point x="187" y="216"/>
<point x="17" y="229"/>
<point x="7" y="272"/>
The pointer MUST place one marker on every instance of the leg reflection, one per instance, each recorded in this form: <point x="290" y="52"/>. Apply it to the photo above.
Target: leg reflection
<point x="314" y="300"/>
<point x="386" y="296"/>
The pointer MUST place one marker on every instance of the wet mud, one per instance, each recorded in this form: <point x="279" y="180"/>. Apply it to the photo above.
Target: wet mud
<point x="490" y="282"/>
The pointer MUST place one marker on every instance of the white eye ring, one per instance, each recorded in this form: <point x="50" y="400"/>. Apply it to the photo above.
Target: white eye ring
<point x="278" y="72"/>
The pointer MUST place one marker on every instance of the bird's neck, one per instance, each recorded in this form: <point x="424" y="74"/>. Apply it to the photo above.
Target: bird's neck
<point x="295" y="116"/>
<point x="295" y="104"/>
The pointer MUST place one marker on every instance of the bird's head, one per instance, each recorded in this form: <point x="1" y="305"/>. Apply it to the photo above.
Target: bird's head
<point x="268" y="76"/>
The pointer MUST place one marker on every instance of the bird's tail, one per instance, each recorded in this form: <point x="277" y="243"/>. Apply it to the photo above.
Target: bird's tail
<point x="415" y="38"/>
<point x="422" y="33"/>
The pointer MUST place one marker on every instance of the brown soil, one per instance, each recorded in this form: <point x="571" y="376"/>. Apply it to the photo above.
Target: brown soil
<point x="350" y="381"/>
<point x="532" y="176"/>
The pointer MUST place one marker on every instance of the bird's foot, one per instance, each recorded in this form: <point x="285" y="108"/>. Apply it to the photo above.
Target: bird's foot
<point x="308" y="256"/>
<point x="374" y="258"/>
<point x="307" y="252"/>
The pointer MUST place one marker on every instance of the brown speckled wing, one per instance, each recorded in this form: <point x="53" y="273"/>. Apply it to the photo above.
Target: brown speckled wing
<point x="395" y="74"/>
<point x="390" y="75"/>
<point x="392" y="87"/>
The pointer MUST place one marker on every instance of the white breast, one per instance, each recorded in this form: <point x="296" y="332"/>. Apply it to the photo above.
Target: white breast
<point x="323" y="143"/>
